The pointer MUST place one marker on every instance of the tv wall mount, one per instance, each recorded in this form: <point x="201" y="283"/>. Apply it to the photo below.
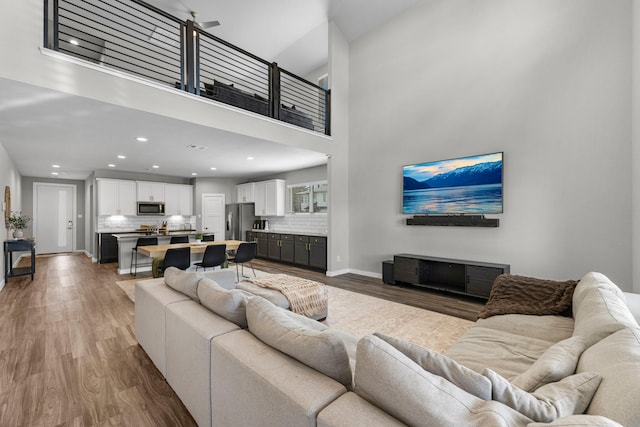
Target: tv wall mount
<point x="454" y="220"/>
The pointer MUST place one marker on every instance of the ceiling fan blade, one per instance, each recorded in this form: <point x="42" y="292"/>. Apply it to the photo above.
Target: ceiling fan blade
<point x="209" y="24"/>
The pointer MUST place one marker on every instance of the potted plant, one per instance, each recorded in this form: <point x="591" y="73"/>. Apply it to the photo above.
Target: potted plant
<point x="198" y="237"/>
<point x="18" y="222"/>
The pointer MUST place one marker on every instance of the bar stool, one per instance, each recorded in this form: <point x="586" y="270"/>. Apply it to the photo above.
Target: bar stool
<point x="142" y="241"/>
<point x="208" y="238"/>
<point x="246" y="253"/>
<point x="214" y="255"/>
<point x="179" y="239"/>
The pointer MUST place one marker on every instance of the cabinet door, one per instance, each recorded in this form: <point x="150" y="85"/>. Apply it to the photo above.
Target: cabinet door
<point x="406" y="270"/>
<point x="260" y="194"/>
<point x="150" y="191"/>
<point x="287" y="248"/>
<point x="480" y="279"/>
<point x="301" y="250"/>
<point x="274" y="197"/>
<point x="127" y="198"/>
<point x="245" y="193"/>
<point x="186" y="200"/>
<point x="262" y="249"/>
<point x="318" y="252"/>
<point x="107" y="197"/>
<point x="179" y="199"/>
<point x="274" y="247"/>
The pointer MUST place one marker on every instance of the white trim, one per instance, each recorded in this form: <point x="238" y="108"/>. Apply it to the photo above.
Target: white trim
<point x="74" y="209"/>
<point x="353" y="271"/>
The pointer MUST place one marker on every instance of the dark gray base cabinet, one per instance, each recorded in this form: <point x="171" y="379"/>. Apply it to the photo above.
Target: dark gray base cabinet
<point x="472" y="278"/>
<point x="306" y="251"/>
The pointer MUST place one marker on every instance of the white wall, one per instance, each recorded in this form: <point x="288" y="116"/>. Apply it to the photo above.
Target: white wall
<point x="547" y="82"/>
<point x="9" y="176"/>
<point x="635" y="158"/>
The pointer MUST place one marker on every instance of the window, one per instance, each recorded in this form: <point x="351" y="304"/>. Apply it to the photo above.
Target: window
<point x="308" y="198"/>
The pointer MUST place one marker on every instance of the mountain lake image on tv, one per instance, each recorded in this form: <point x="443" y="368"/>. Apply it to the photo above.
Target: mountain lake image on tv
<point x="466" y="185"/>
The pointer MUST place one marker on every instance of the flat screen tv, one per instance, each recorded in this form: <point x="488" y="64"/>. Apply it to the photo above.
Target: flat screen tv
<point x="466" y="185"/>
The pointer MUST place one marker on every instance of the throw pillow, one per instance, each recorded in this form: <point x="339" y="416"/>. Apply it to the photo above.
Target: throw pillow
<point x="568" y="396"/>
<point x="182" y="281"/>
<point x="306" y="340"/>
<point x="394" y="383"/>
<point x="443" y="366"/>
<point x="512" y="294"/>
<point x="579" y="421"/>
<point x="557" y="362"/>
<point x="229" y="304"/>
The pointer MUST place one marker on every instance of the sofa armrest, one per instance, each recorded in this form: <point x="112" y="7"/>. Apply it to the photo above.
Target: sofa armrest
<point x="633" y="302"/>
<point x="350" y="410"/>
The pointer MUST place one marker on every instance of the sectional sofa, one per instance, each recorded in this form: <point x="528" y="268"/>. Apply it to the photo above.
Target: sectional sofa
<point x="239" y="360"/>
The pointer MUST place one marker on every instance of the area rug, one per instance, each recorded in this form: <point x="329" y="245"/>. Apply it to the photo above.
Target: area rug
<point x="362" y="315"/>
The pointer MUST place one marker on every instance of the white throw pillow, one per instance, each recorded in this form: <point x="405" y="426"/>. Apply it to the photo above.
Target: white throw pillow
<point x="568" y="396"/>
<point x="229" y="304"/>
<point x="557" y="362"/>
<point x="443" y="366"/>
<point x="183" y="282"/>
<point x="306" y="340"/>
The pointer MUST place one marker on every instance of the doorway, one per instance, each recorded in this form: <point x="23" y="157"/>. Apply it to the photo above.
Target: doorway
<point x="54" y="208"/>
<point x="213" y="215"/>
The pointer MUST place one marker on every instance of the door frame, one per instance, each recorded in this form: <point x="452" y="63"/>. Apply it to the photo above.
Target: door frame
<point x="202" y="213"/>
<point x="74" y="209"/>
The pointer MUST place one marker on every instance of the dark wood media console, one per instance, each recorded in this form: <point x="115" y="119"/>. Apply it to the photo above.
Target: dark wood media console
<point x="472" y="278"/>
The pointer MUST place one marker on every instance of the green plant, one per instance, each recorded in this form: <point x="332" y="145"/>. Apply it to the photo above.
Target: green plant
<point x="198" y="236"/>
<point x="19" y="221"/>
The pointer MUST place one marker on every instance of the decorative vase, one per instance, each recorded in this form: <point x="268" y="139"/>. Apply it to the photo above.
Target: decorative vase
<point x="17" y="234"/>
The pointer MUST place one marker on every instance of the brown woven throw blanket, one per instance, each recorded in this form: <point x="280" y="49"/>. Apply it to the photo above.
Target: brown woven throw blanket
<point x="305" y="297"/>
<point x="513" y="294"/>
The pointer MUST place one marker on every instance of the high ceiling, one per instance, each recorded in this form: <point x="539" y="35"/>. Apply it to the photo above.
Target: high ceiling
<point x="40" y="128"/>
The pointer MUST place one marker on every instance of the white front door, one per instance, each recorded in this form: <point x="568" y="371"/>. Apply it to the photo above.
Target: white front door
<point x="213" y="215"/>
<point x="54" y="212"/>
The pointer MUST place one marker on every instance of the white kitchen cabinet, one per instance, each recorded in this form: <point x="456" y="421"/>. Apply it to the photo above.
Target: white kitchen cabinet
<point x="150" y="191"/>
<point x="246" y="192"/>
<point x="178" y="199"/>
<point x="270" y="197"/>
<point x="116" y="197"/>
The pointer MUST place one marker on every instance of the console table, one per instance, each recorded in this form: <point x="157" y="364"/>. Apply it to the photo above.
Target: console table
<point x="472" y="278"/>
<point x="11" y="246"/>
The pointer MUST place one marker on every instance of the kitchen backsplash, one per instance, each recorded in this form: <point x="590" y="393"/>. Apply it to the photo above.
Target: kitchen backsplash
<point x="129" y="223"/>
<point x="303" y="223"/>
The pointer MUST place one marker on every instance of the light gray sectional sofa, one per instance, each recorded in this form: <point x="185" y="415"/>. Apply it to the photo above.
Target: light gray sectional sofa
<point x="239" y="360"/>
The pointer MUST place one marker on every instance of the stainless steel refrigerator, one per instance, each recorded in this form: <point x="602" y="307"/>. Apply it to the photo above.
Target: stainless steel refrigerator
<point x="239" y="219"/>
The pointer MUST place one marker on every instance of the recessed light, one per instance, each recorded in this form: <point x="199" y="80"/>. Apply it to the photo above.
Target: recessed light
<point x="55" y="166"/>
<point x="193" y="174"/>
<point x="74" y="42"/>
<point x="250" y="158"/>
<point x="155" y="166"/>
<point x="111" y="165"/>
<point x="120" y="156"/>
<point x="54" y="173"/>
<point x="213" y="169"/>
<point x="141" y="139"/>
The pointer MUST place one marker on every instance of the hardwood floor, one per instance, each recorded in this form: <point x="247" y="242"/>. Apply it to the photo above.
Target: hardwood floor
<point x="68" y="353"/>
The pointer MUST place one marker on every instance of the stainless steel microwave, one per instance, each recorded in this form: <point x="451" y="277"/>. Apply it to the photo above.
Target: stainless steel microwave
<point x="151" y="208"/>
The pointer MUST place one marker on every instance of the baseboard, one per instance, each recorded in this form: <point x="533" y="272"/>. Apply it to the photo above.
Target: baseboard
<point x="128" y="271"/>
<point x="337" y="272"/>
<point x="1" y="286"/>
<point x="354" y="271"/>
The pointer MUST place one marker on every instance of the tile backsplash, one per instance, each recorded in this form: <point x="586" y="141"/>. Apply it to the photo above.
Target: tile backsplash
<point x="129" y="223"/>
<point x="303" y="223"/>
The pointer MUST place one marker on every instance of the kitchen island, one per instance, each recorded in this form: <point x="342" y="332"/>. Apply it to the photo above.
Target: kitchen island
<point x="127" y="241"/>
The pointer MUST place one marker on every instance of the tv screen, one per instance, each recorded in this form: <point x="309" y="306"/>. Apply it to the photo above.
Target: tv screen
<point x="467" y="185"/>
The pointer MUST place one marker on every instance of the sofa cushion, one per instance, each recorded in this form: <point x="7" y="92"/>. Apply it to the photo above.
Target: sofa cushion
<point x="394" y="383"/>
<point x="600" y="313"/>
<point x="183" y="281"/>
<point x="591" y="281"/>
<point x="579" y="421"/>
<point x="229" y="304"/>
<point x="568" y="396"/>
<point x="438" y="364"/>
<point x="506" y="353"/>
<point x="352" y="410"/>
<point x="559" y="361"/>
<point x="547" y="328"/>
<point x="306" y="340"/>
<point x="617" y="359"/>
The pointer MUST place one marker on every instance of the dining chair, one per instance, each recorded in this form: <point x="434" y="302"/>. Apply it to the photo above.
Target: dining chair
<point x="177" y="257"/>
<point x="214" y="255"/>
<point x="179" y="239"/>
<point x="246" y="253"/>
<point x="208" y="238"/>
<point x="142" y="241"/>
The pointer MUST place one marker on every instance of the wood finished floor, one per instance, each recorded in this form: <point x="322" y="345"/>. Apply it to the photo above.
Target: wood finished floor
<point x="68" y="353"/>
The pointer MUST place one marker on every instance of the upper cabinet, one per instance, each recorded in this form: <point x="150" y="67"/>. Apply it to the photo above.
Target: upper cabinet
<point x="116" y="197"/>
<point x="269" y="197"/>
<point x="178" y="199"/>
<point x="150" y="191"/>
<point x="246" y="192"/>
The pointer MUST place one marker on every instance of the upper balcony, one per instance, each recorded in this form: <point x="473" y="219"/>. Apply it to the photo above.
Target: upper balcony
<point x="137" y="38"/>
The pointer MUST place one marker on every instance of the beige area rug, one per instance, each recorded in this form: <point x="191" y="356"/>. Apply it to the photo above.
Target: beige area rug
<point x="362" y="315"/>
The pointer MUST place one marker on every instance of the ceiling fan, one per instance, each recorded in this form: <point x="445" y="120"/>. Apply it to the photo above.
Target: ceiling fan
<point x="203" y="25"/>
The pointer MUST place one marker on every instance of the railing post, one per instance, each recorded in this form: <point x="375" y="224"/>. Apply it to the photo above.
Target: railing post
<point x="191" y="57"/>
<point x="327" y="112"/>
<point x="56" y="42"/>
<point x="274" y="91"/>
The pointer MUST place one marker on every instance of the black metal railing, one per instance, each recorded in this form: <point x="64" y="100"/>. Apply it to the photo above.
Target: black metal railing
<point x="132" y="36"/>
